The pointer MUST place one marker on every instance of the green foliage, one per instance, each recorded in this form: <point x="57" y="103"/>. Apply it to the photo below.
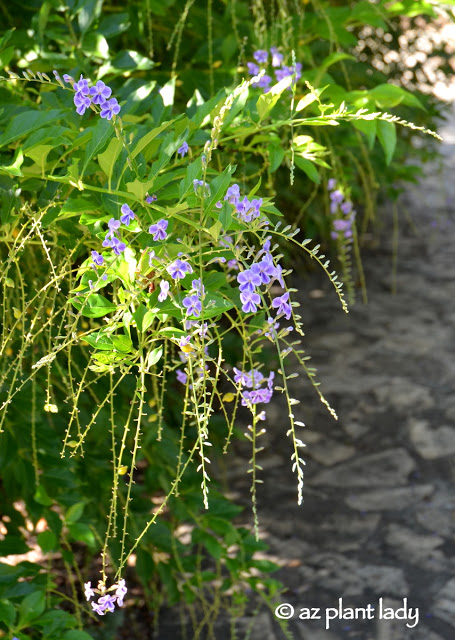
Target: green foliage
<point x="90" y="361"/>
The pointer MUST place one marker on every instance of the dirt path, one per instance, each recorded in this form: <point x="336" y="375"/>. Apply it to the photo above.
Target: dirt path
<point x="378" y="518"/>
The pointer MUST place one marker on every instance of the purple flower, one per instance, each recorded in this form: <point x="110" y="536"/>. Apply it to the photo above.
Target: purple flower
<point x="178" y="269"/>
<point x="89" y="593"/>
<point x="117" y="246"/>
<point x="98" y="260"/>
<point x="331" y="184"/>
<point x="82" y="103"/>
<point x="193" y="305"/>
<point x="105" y="603"/>
<point x="81" y="86"/>
<point x="183" y="150"/>
<point x="278" y="274"/>
<point x="159" y="229"/>
<point x="248" y="280"/>
<point x="282" y="73"/>
<point x="150" y="199"/>
<point x="265" y="270"/>
<point x="253" y="68"/>
<point x="233" y="264"/>
<point x="219" y="204"/>
<point x="248" y="379"/>
<point x="109" y="108"/>
<point x="337" y="196"/>
<point x="121" y="592"/>
<point x="281" y="303"/>
<point x="181" y="377"/>
<point x="107" y="242"/>
<point x="200" y="289"/>
<point x="201" y="183"/>
<point x="248" y="210"/>
<point x="164" y="287"/>
<point x="346" y="207"/>
<point x="127" y="216"/>
<point x="264" y="83"/>
<point x="249" y="300"/>
<point x="100" y="93"/>
<point x="261" y="56"/>
<point x="113" y="225"/>
<point x="277" y="57"/>
<point x="67" y="78"/>
<point x="233" y="194"/>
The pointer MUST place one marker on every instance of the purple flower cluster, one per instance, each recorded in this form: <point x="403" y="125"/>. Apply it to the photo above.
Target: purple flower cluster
<point x="183" y="150"/>
<point x="99" y="94"/>
<point x="262" y="272"/>
<point x="179" y="268"/>
<point x="192" y="303"/>
<point x="252" y="380"/>
<point x="280" y="70"/>
<point x="342" y="209"/>
<point x="106" y="603"/>
<point x="158" y="230"/>
<point x="111" y="240"/>
<point x="246" y="210"/>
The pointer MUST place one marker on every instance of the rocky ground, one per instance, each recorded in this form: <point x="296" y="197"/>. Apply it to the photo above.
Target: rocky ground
<point x="378" y="517"/>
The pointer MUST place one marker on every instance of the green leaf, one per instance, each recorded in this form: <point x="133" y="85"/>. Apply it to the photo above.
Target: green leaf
<point x="99" y="340"/>
<point x="154" y="356"/>
<point x="268" y="100"/>
<point x="74" y="512"/>
<point x="387" y="135"/>
<point x="76" y="206"/>
<point x="32" y="606"/>
<point x="12" y="545"/>
<point x="14" y="169"/>
<point x="309" y="168"/>
<point x="100" y="134"/>
<point x="82" y="533"/>
<point x="24" y="123"/>
<point x="122" y="343"/>
<point x="151" y="135"/>
<point x="225" y="216"/>
<point x="107" y="159"/>
<point x="95" y="306"/>
<point x="7" y="613"/>
<point x="387" y="96"/>
<point x="47" y="540"/>
<point x="218" y="187"/>
<point x="41" y="496"/>
<point x="75" y="634"/>
<point x="369" y="128"/>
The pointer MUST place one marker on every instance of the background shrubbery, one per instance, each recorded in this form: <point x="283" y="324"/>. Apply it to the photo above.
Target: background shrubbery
<point x="94" y="374"/>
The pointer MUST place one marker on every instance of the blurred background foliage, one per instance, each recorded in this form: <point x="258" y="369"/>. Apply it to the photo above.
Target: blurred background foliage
<point x="163" y="57"/>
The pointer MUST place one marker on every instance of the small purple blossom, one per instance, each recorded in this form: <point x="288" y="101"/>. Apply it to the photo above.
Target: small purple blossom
<point x="113" y="225"/>
<point x="100" y="93"/>
<point x="249" y="300"/>
<point x="67" y="78"/>
<point x="219" y="204"/>
<point x="121" y="592"/>
<point x="265" y="270"/>
<point x="127" y="216"/>
<point x="164" y="290"/>
<point x="178" y="269"/>
<point x="253" y="68"/>
<point x="336" y="196"/>
<point x="261" y="56"/>
<point x="193" y="305"/>
<point x="89" y="593"/>
<point x="346" y="207"/>
<point x="248" y="280"/>
<point x="281" y="303"/>
<point x="233" y="194"/>
<point x="117" y="246"/>
<point x="81" y="86"/>
<point x="110" y="108"/>
<point x="150" y="199"/>
<point x="158" y="230"/>
<point x="331" y="184"/>
<point x="201" y="183"/>
<point x="183" y="150"/>
<point x="181" y="376"/>
<point x="264" y="83"/>
<point x="97" y="258"/>
<point x="82" y="102"/>
<point x="200" y="289"/>
<point x="277" y="57"/>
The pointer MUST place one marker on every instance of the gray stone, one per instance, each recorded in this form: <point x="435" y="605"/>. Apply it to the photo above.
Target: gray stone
<point x="388" y="499"/>
<point x="388" y="468"/>
<point x="330" y="452"/>
<point x="384" y="580"/>
<point x="306" y="632"/>
<point x="259" y="628"/>
<point x="420" y="550"/>
<point x="444" y="606"/>
<point x="432" y="443"/>
<point x="404" y="395"/>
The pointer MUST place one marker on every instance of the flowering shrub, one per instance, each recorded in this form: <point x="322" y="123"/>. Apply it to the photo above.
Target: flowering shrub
<point x="148" y="312"/>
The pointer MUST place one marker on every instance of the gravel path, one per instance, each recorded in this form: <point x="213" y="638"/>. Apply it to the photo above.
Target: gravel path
<point x="378" y="517"/>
